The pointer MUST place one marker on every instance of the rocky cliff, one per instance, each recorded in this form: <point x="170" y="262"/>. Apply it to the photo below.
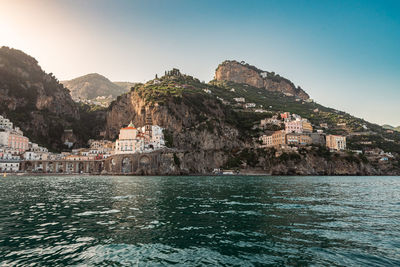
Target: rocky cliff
<point x="234" y="71"/>
<point x="36" y="101"/>
<point x="195" y="123"/>
<point x="203" y="133"/>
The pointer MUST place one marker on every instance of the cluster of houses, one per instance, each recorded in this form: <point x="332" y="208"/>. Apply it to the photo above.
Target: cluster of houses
<point x="103" y="101"/>
<point x="298" y="132"/>
<point x="16" y="148"/>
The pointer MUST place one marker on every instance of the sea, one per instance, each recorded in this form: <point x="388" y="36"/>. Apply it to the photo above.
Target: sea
<point x="199" y="221"/>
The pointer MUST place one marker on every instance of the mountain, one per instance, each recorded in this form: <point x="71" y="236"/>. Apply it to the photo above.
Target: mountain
<point x="233" y="71"/>
<point x="207" y="129"/>
<point x="37" y="103"/>
<point x="95" y="87"/>
<point x="126" y="85"/>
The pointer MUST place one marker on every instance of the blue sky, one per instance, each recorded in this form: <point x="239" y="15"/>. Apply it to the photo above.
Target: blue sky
<point x="345" y="54"/>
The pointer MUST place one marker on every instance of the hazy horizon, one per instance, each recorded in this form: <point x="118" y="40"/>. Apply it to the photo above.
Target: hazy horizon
<point x="343" y="54"/>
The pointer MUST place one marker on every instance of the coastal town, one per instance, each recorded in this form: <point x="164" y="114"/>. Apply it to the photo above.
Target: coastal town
<point x="18" y="154"/>
<point x="298" y="132"/>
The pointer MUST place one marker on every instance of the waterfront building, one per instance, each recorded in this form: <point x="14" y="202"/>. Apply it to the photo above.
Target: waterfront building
<point x="9" y="165"/>
<point x="336" y="142"/>
<point x="130" y="140"/>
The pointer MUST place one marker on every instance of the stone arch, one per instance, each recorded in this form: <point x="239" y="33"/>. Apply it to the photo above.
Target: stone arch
<point x="50" y="166"/>
<point x="81" y="167"/>
<point x="144" y="161"/>
<point x="70" y="167"/>
<point x="126" y="165"/>
<point x="28" y="166"/>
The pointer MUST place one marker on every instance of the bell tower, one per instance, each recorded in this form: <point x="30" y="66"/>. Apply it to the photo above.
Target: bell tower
<point x="148" y="124"/>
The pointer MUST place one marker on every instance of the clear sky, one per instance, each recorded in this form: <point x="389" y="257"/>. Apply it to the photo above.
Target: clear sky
<point x="345" y="54"/>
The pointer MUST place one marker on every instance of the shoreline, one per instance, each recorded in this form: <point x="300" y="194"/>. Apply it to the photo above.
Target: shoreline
<point x="194" y="174"/>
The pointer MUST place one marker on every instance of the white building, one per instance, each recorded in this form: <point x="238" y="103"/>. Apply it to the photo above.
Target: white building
<point x="138" y="140"/>
<point x="239" y="99"/>
<point x="156" y="139"/>
<point x="250" y="105"/>
<point x="5" y="123"/>
<point x="9" y="166"/>
<point x="130" y="140"/>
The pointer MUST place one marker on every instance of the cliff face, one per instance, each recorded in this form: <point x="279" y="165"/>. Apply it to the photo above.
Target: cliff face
<point x="234" y="71"/>
<point x="34" y="100"/>
<point x="23" y="84"/>
<point x="194" y="125"/>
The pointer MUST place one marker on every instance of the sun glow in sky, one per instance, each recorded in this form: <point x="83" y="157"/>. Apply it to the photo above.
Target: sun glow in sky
<point x="345" y="54"/>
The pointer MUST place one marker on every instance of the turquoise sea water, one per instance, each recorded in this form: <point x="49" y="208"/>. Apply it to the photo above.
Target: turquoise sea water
<point x="195" y="221"/>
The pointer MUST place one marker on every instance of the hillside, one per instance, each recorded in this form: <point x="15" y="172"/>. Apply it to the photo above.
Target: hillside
<point x="209" y="130"/>
<point x="95" y="87"/>
<point x="37" y="103"/>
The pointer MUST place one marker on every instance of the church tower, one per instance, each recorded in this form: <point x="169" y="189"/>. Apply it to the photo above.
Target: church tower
<point x="148" y="125"/>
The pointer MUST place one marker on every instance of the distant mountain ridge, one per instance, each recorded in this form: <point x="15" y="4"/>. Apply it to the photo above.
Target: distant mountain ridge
<point x="126" y="85"/>
<point x="93" y="85"/>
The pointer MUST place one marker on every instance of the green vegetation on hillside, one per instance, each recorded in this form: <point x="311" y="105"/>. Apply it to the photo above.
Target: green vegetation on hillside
<point x="192" y="91"/>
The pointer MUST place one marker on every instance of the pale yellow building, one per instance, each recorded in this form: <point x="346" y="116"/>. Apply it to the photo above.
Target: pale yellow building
<point x="307" y="127"/>
<point x="298" y="139"/>
<point x="336" y="142"/>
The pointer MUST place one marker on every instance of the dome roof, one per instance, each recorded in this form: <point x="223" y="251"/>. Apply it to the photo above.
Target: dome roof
<point x="131" y="126"/>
